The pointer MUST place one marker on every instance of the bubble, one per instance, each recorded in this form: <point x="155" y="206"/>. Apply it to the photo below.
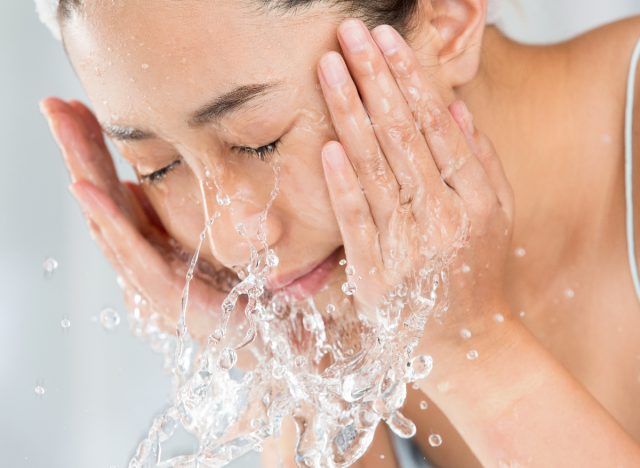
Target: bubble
<point x="569" y="293"/>
<point x="300" y="361"/>
<point x="223" y="199"/>
<point x="330" y="309"/>
<point x="109" y="319"/>
<point x="465" y="334"/>
<point x="373" y="271"/>
<point x="466" y="268"/>
<point x="520" y="252"/>
<point x="424" y="405"/>
<point x="343" y="262"/>
<point x="49" y="266"/>
<point x="65" y="323"/>
<point x="498" y="318"/>
<point x="402" y="290"/>
<point x="137" y="299"/>
<point x="349" y="288"/>
<point x="472" y="355"/>
<point x="228" y="359"/>
<point x="39" y="390"/>
<point x="350" y="270"/>
<point x="435" y="440"/>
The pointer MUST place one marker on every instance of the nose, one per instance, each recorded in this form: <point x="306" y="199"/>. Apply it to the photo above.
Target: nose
<point x="241" y="221"/>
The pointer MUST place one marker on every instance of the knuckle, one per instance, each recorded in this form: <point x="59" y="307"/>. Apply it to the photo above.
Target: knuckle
<point x="373" y="166"/>
<point x="402" y="131"/>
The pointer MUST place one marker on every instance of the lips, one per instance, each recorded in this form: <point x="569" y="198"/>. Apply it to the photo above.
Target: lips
<point x="306" y="282"/>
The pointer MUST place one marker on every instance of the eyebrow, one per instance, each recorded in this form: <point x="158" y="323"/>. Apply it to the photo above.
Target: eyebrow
<point x="214" y="111"/>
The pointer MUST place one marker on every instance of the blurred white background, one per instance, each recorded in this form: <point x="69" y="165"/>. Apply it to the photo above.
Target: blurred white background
<point x="101" y="389"/>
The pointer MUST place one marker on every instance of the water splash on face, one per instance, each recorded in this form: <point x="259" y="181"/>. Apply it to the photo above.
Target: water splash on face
<point x="336" y="373"/>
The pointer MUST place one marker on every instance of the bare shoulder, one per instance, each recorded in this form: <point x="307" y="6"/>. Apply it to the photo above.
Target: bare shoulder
<point x="603" y="56"/>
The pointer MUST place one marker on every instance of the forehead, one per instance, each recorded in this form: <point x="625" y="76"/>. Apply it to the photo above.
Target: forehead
<point x="136" y="56"/>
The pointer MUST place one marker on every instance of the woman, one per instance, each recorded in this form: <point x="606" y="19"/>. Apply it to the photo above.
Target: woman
<point x="384" y="150"/>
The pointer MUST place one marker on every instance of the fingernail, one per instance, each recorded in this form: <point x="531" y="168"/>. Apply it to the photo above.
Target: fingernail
<point x="333" y="156"/>
<point x="386" y="38"/>
<point x="354" y="36"/>
<point x="333" y="69"/>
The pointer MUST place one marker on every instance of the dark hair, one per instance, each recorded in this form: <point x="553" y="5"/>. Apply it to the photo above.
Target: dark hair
<point x="397" y="13"/>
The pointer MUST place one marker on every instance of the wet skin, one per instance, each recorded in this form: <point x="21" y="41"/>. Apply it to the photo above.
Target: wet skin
<point x="313" y="215"/>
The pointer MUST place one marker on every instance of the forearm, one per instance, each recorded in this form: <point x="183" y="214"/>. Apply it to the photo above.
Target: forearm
<point x="515" y="404"/>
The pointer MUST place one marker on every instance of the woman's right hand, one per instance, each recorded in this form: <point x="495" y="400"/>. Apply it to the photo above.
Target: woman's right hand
<point x="152" y="271"/>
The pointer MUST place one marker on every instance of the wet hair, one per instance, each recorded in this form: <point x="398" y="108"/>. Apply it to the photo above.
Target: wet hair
<point x="397" y="13"/>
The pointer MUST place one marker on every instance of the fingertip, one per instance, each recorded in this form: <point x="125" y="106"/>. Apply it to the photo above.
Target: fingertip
<point x="333" y="156"/>
<point x="463" y="118"/>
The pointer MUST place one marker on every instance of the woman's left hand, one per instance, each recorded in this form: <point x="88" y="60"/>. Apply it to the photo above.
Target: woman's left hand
<point x="411" y="179"/>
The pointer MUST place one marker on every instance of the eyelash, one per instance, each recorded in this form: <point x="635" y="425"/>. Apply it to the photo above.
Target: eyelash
<point x="261" y="153"/>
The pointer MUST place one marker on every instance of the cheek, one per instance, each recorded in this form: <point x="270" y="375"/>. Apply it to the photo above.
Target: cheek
<point x="178" y="204"/>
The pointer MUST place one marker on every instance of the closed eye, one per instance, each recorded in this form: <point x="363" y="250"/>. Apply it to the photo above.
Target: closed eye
<point x="262" y="153"/>
<point x="160" y="174"/>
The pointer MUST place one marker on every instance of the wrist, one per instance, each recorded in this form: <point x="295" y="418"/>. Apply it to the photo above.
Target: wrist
<point x="461" y="349"/>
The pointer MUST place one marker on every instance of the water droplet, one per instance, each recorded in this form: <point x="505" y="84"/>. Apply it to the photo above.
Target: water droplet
<point x="40" y="390"/>
<point x="65" y="323"/>
<point x="223" y="199"/>
<point x="300" y="361"/>
<point x="349" y="288"/>
<point x="228" y="359"/>
<point x="272" y="259"/>
<point x="415" y="386"/>
<point x="435" y="440"/>
<point x="402" y="290"/>
<point x="381" y="456"/>
<point x="217" y="335"/>
<point x="350" y="270"/>
<point x="343" y="262"/>
<point x="466" y="268"/>
<point x="330" y="309"/>
<point x="522" y="313"/>
<point x="137" y="299"/>
<point x="424" y="405"/>
<point x="308" y="322"/>
<point x="472" y="355"/>
<point x="420" y="367"/>
<point x="520" y="252"/>
<point x="373" y="271"/>
<point x="144" y="66"/>
<point x="121" y="283"/>
<point x="109" y="319"/>
<point x="569" y="293"/>
<point x="465" y="333"/>
<point x="49" y="266"/>
<point x="498" y="318"/>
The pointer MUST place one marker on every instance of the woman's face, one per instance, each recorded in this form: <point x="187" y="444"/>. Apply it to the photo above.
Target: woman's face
<point x="186" y="88"/>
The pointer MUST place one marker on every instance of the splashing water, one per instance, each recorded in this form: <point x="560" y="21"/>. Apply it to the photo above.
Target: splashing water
<point x="336" y="374"/>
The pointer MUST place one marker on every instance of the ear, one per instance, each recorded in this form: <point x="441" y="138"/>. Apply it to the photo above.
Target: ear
<point x="460" y="24"/>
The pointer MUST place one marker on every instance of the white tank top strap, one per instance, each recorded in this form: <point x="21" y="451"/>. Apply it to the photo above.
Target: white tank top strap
<point x="631" y="88"/>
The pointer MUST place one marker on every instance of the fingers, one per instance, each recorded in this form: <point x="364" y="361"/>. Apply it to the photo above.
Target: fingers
<point x="457" y="164"/>
<point x="142" y="264"/>
<point x="400" y="139"/>
<point x="358" y="230"/>
<point x="486" y="154"/>
<point x="356" y="134"/>
<point x="79" y="135"/>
